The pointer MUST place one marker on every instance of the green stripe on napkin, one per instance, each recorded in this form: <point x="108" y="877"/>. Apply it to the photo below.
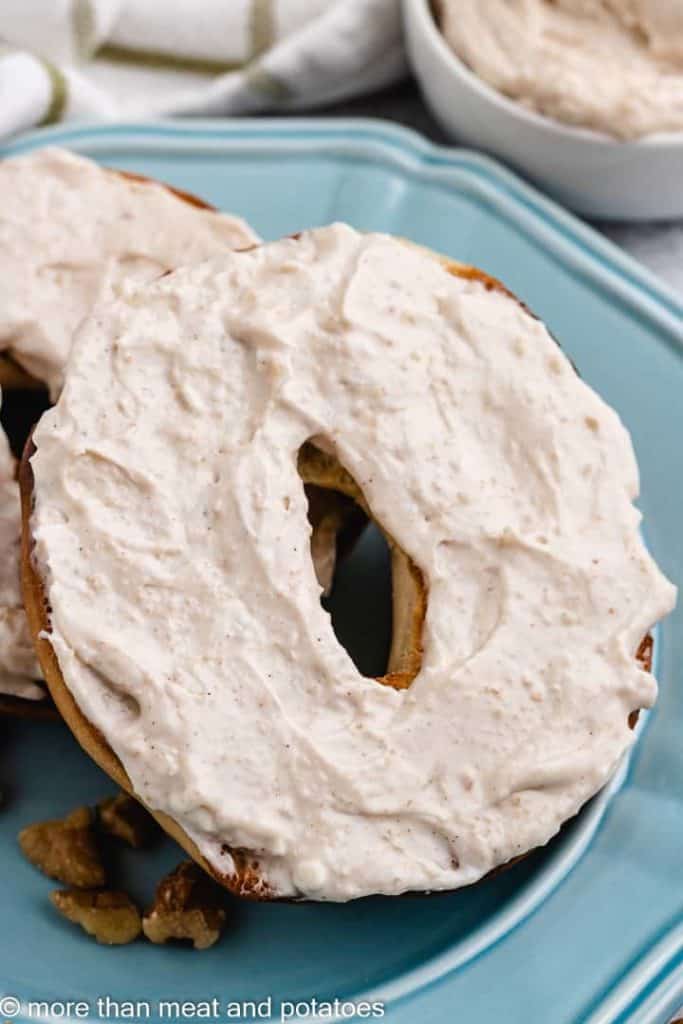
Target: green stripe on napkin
<point x="262" y="26"/>
<point x="262" y="81"/>
<point x="170" y="61"/>
<point x="83" y="26"/>
<point x="59" y="92"/>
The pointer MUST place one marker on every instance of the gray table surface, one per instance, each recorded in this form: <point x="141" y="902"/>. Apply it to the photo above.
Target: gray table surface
<point x="658" y="246"/>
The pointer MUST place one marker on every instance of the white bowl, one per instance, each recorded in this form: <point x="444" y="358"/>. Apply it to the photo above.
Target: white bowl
<point x="590" y="172"/>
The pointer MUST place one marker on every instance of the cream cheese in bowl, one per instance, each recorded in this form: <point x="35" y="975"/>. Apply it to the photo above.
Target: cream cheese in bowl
<point x="615" y="66"/>
<point x="585" y="97"/>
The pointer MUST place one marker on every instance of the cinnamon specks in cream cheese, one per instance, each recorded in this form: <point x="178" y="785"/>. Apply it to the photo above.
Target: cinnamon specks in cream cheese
<point x="612" y="65"/>
<point x="186" y="616"/>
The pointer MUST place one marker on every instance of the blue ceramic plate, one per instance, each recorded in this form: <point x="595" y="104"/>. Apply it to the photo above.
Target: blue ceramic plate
<point x="589" y="929"/>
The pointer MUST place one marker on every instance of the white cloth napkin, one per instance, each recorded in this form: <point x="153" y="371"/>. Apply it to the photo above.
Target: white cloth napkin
<point x="123" y="59"/>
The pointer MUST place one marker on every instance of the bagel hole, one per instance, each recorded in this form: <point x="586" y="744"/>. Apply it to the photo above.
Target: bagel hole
<point x="19" y="412"/>
<point x="366" y="602"/>
<point x="359" y="601"/>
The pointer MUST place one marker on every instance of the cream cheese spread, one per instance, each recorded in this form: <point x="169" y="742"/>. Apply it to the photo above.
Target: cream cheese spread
<point x="186" y="614"/>
<point x="615" y="66"/>
<point x="69" y="231"/>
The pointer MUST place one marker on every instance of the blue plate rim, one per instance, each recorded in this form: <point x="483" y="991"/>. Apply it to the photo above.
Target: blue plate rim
<point x="653" y="985"/>
<point x="661" y="298"/>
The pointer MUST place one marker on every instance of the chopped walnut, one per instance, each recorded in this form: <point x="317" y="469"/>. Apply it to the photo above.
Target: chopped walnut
<point x="111" y="917"/>
<point x="187" y="905"/>
<point x="65" y="849"/>
<point x="123" y="817"/>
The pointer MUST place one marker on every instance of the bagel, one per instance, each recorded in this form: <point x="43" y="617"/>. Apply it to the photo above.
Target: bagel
<point x="174" y="604"/>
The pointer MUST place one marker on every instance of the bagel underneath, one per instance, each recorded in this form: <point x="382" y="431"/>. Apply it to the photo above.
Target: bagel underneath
<point x="71" y="229"/>
<point x="412" y="659"/>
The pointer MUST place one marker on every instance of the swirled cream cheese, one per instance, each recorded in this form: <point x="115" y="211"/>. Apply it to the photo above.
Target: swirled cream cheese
<point x="612" y="65"/>
<point x="171" y="533"/>
<point x="70" y="230"/>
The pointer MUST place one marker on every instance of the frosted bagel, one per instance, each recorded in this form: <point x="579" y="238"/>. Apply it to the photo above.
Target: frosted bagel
<point x="69" y="230"/>
<point x="176" y="608"/>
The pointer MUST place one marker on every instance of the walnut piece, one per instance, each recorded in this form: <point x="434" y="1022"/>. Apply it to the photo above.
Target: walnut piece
<point x="123" y="817"/>
<point x="111" y="917"/>
<point x="65" y="849"/>
<point x="187" y="905"/>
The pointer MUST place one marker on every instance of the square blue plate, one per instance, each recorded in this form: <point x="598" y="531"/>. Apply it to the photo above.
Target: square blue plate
<point x="589" y="929"/>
